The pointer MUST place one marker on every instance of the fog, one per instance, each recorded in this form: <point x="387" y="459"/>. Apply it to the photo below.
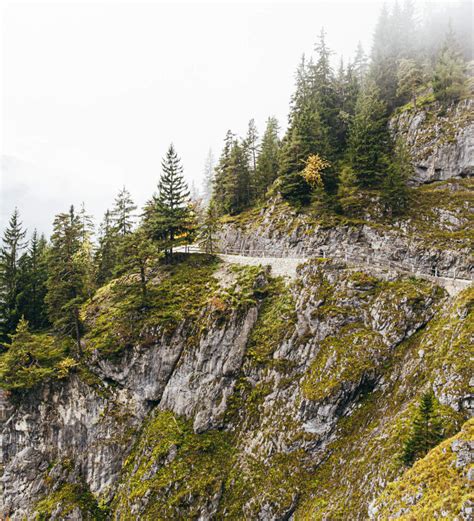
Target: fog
<point x="94" y="92"/>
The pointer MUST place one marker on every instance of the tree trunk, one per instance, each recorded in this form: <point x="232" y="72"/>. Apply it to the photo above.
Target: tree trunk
<point x="77" y="327"/>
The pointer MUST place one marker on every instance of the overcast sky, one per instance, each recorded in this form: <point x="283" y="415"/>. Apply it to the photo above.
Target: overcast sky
<point x="94" y="92"/>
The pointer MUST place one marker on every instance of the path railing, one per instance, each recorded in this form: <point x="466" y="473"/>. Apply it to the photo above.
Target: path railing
<point x="353" y="258"/>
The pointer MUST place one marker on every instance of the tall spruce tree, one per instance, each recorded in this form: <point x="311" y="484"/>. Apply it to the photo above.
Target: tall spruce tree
<point x="33" y="275"/>
<point x="137" y="253"/>
<point x="324" y="95"/>
<point x="251" y="148"/>
<point x="123" y="213"/>
<point x="209" y="229"/>
<point x="10" y="252"/>
<point x="106" y="253"/>
<point x="220" y="186"/>
<point x="368" y="142"/>
<point x="208" y="178"/>
<point x="268" y="158"/>
<point x="393" y="40"/>
<point x="449" y="77"/>
<point x="426" y="430"/>
<point x="168" y="218"/>
<point x="395" y="191"/>
<point x="68" y="276"/>
<point x="410" y="78"/>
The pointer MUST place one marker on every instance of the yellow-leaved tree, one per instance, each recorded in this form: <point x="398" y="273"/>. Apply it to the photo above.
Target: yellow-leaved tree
<point x="314" y="165"/>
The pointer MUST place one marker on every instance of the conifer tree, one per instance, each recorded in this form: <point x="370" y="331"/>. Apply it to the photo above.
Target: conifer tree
<point x="87" y="223"/>
<point x="268" y="158"/>
<point x="33" y="274"/>
<point x="220" y="189"/>
<point x="30" y="359"/>
<point x="347" y="191"/>
<point x="449" y="78"/>
<point x="10" y="252"/>
<point x="106" y="254"/>
<point x="167" y="216"/>
<point x="122" y="213"/>
<point x="232" y="190"/>
<point x="68" y="277"/>
<point x="368" y="137"/>
<point x="360" y="64"/>
<point x="208" y="177"/>
<point x="137" y="253"/>
<point x="395" y="192"/>
<point x="209" y="229"/>
<point x="426" y="430"/>
<point x="324" y="95"/>
<point x="252" y="146"/>
<point x="410" y="78"/>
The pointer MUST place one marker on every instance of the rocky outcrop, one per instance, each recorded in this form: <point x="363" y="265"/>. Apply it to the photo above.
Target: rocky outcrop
<point x="280" y="231"/>
<point x="73" y="421"/>
<point x="244" y="411"/>
<point x="441" y="140"/>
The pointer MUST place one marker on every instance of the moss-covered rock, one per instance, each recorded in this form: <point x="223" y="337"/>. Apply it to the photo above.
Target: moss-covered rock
<point x="438" y="486"/>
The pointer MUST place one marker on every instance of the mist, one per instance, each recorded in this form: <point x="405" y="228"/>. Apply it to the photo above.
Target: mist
<point x="93" y="93"/>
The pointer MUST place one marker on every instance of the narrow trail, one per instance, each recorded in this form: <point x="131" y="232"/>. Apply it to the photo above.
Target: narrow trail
<point x="286" y="266"/>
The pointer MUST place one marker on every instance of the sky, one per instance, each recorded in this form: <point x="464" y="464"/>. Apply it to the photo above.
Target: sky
<point x="93" y="92"/>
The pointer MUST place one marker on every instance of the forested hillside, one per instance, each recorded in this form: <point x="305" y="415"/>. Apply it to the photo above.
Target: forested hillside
<point x="141" y="381"/>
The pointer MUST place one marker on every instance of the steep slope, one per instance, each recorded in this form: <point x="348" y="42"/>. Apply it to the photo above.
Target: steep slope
<point x="421" y="493"/>
<point x="243" y="398"/>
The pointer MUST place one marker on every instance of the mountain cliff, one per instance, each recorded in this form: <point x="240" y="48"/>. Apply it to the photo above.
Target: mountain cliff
<point x="235" y="394"/>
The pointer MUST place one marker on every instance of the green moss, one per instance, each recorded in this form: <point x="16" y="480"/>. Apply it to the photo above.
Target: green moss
<point x="255" y="484"/>
<point x="178" y="292"/>
<point x="69" y="497"/>
<point x="367" y="445"/>
<point x="434" y="487"/>
<point x="342" y="360"/>
<point x="171" y="471"/>
<point x="276" y="320"/>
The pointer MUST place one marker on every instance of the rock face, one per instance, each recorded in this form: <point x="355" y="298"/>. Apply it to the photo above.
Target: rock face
<point x="246" y="411"/>
<point x="277" y="233"/>
<point x="441" y="140"/>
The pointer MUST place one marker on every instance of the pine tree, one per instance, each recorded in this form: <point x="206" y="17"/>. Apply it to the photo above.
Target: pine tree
<point x="33" y="274"/>
<point x="410" y="78"/>
<point x="393" y="40"/>
<point x="347" y="191"/>
<point x="167" y="216"/>
<point x="208" y="177"/>
<point x="220" y="188"/>
<point x="360" y="64"/>
<point x="87" y="223"/>
<point x="106" y="254"/>
<point x="323" y="92"/>
<point x="31" y="359"/>
<point x="251" y="148"/>
<point x="209" y="229"/>
<point x="368" y="137"/>
<point x="268" y="158"/>
<point x="137" y="253"/>
<point x="10" y="252"/>
<point x="122" y="213"/>
<point x="449" y="78"/>
<point x="68" y="277"/>
<point x="395" y="191"/>
<point x="426" y="430"/>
